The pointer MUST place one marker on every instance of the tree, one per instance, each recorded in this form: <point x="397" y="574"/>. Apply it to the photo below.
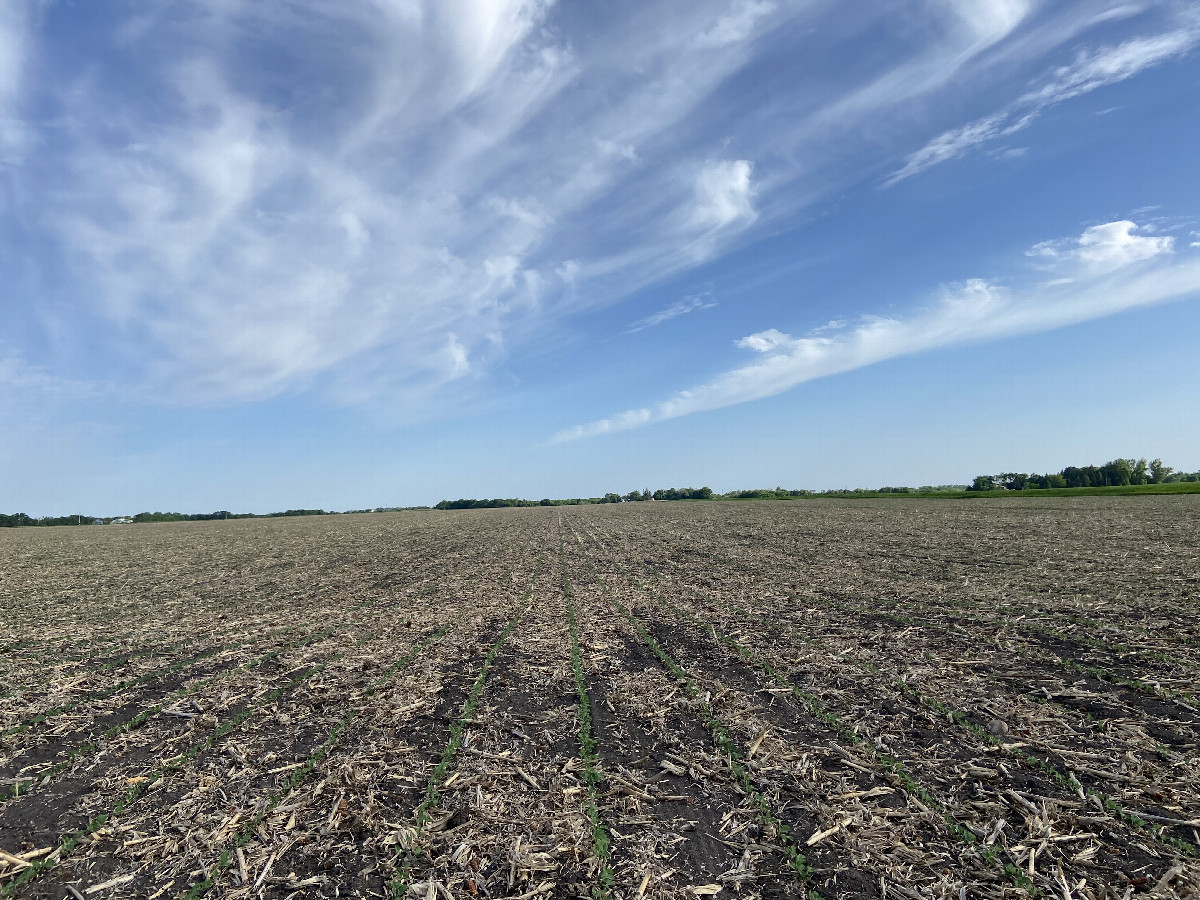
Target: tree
<point x="611" y="498"/>
<point x="1075" y="477"/>
<point x="1139" y="474"/>
<point x="982" y="483"/>
<point x="1158" y="472"/>
<point x="1117" y="472"/>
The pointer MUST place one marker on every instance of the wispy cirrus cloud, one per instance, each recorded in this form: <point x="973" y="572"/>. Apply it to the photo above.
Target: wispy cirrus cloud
<point x="14" y="41"/>
<point x="380" y="200"/>
<point x="736" y="25"/>
<point x="674" y="311"/>
<point x="1091" y="69"/>
<point x="427" y="180"/>
<point x="1129" y="271"/>
<point x="724" y="194"/>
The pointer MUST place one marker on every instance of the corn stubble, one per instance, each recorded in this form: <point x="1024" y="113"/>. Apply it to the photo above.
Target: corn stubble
<point x="833" y="699"/>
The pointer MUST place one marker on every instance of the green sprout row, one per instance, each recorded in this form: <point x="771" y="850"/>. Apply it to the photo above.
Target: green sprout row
<point x="249" y="831"/>
<point x="762" y="810"/>
<point x="1065" y="780"/>
<point x="593" y="776"/>
<point x="400" y="883"/>
<point x="22" y="789"/>
<point x="68" y="843"/>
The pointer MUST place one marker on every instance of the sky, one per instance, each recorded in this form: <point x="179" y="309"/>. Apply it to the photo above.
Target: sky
<point x="267" y="254"/>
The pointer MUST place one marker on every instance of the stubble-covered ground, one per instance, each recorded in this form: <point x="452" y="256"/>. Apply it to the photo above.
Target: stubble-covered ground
<point x="980" y="699"/>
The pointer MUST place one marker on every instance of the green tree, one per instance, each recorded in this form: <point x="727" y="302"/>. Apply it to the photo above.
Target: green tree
<point x="1117" y="472"/>
<point x="1139" y="474"/>
<point x="982" y="483"/>
<point x="1158" y="472"/>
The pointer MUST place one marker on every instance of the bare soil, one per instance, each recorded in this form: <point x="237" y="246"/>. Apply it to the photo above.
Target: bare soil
<point x="836" y="699"/>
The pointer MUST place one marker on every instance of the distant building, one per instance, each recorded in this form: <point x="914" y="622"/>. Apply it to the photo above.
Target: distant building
<point x="121" y="520"/>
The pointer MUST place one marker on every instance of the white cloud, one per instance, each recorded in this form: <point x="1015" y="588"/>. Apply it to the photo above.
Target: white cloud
<point x="724" y="194"/>
<point x="430" y="169"/>
<point x="311" y="197"/>
<point x="989" y="20"/>
<point x="37" y="385"/>
<point x="1103" y="248"/>
<point x="1090" y="70"/>
<point x="972" y="311"/>
<point x="764" y="341"/>
<point x="458" y="363"/>
<point x="626" y="152"/>
<point x="527" y="212"/>
<point x="568" y="271"/>
<point x="674" y="311"/>
<point x="1003" y="153"/>
<point x="14" y="50"/>
<point x="736" y="25"/>
<point x="502" y="270"/>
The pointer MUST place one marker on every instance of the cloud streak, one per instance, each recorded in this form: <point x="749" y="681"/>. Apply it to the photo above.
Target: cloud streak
<point x="973" y="311"/>
<point x="14" y="40"/>
<point x="1089" y="71"/>
<point x="674" y="311"/>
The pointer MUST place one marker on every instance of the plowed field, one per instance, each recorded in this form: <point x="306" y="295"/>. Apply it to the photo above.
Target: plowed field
<point x="908" y="699"/>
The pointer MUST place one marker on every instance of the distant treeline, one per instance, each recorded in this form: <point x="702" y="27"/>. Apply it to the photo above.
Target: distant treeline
<point x="221" y="514"/>
<point x="704" y="493"/>
<point x="1116" y="473"/>
<point x="16" y="520"/>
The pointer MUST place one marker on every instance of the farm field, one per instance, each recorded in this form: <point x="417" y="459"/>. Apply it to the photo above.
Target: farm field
<point x="833" y="698"/>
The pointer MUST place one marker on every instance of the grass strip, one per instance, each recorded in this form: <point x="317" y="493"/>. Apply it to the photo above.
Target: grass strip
<point x="68" y="844"/>
<point x="24" y="789"/>
<point x="399" y="884"/>
<point x="249" y="831"/>
<point x="593" y="776"/>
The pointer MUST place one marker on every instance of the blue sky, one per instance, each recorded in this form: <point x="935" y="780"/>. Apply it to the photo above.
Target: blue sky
<point x="258" y="255"/>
